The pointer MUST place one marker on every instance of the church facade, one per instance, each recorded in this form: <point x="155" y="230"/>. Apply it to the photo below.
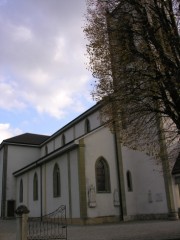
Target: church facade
<point x="84" y="167"/>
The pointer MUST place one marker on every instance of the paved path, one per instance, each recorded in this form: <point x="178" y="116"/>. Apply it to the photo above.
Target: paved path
<point x="149" y="230"/>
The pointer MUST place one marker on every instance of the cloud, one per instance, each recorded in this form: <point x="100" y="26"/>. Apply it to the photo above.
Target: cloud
<point x="42" y="61"/>
<point x="7" y="131"/>
<point x="21" y="33"/>
<point x="9" y="98"/>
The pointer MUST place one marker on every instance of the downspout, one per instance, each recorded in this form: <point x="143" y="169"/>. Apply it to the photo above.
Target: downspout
<point x="119" y="180"/>
<point x="120" y="174"/>
<point x="4" y="182"/>
<point x="41" y="207"/>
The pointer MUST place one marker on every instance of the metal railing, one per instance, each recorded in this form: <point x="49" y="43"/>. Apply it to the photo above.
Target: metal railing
<point x="50" y="226"/>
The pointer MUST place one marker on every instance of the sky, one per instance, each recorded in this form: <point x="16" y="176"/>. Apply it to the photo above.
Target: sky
<point x="44" y="81"/>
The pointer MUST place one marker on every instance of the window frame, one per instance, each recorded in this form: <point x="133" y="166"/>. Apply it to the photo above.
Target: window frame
<point x="56" y="181"/>
<point x="21" y="191"/>
<point x="129" y="181"/>
<point x="105" y="175"/>
<point x="35" y="187"/>
<point x="87" y="126"/>
<point x="63" y="139"/>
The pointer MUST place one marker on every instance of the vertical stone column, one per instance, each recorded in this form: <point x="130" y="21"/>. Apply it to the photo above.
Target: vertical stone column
<point x="22" y="222"/>
<point x="82" y="181"/>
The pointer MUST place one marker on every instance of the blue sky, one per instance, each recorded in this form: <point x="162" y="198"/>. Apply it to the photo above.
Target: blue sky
<point x="44" y="82"/>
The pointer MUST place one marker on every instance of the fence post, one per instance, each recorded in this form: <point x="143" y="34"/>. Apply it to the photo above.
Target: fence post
<point x="22" y="221"/>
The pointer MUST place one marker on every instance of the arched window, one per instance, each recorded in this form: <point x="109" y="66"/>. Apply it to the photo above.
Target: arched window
<point x="63" y="140"/>
<point x="21" y="191"/>
<point x="56" y="181"/>
<point x="102" y="176"/>
<point x="87" y="126"/>
<point x="129" y="181"/>
<point x="35" y="187"/>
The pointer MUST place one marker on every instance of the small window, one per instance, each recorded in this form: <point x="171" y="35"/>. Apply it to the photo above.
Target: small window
<point x="46" y="150"/>
<point x="21" y="191"/>
<point x="87" y="126"/>
<point x="56" y="181"/>
<point x="129" y="181"/>
<point x="102" y="176"/>
<point x="63" y="140"/>
<point x="35" y="187"/>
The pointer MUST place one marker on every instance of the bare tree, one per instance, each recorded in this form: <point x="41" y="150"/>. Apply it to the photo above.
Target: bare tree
<point x="134" y="52"/>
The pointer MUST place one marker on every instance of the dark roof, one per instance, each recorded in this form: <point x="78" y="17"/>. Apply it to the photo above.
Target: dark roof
<point x="176" y="168"/>
<point x="27" y="138"/>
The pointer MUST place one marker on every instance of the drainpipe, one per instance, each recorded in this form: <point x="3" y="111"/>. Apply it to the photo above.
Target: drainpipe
<point x="4" y="182"/>
<point x="123" y="209"/>
<point x="41" y="191"/>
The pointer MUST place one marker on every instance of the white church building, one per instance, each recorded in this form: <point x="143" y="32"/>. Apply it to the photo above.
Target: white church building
<point x="84" y="167"/>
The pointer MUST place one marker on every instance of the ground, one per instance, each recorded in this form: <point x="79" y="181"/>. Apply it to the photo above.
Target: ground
<point x="142" y="230"/>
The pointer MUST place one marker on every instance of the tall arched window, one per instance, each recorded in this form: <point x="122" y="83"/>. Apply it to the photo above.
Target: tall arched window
<point x="87" y="126"/>
<point x="102" y="176"/>
<point x="35" y="187"/>
<point x="129" y="181"/>
<point x="63" y="140"/>
<point x="56" y="181"/>
<point x="21" y="191"/>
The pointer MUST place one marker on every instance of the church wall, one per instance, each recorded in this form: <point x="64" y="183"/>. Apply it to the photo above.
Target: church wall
<point x="69" y="135"/>
<point x="148" y="193"/>
<point x="57" y="142"/>
<point x="52" y="203"/>
<point x="94" y="123"/>
<point x="26" y="193"/>
<point x="18" y="157"/>
<point x="104" y="201"/>
<point x="33" y="205"/>
<point x="94" y="120"/>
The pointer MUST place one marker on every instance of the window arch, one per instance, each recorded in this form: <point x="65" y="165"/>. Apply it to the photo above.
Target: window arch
<point x="102" y="175"/>
<point x="21" y="191"/>
<point x="87" y="126"/>
<point x="63" y="140"/>
<point x="56" y="181"/>
<point x="129" y="181"/>
<point x="35" y="187"/>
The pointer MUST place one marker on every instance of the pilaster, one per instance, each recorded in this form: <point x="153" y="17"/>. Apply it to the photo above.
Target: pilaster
<point x="82" y="180"/>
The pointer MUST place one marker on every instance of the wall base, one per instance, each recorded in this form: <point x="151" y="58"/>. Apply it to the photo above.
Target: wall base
<point x="97" y="220"/>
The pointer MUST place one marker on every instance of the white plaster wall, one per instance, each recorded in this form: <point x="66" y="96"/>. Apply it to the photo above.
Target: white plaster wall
<point x="18" y="157"/>
<point x="53" y="203"/>
<point x="34" y="206"/>
<point x="97" y="144"/>
<point x="50" y="148"/>
<point x="69" y="134"/>
<point x="148" y="195"/>
<point x="79" y="129"/>
<point x="25" y="179"/>
<point x="94" y="120"/>
<point x="57" y="141"/>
